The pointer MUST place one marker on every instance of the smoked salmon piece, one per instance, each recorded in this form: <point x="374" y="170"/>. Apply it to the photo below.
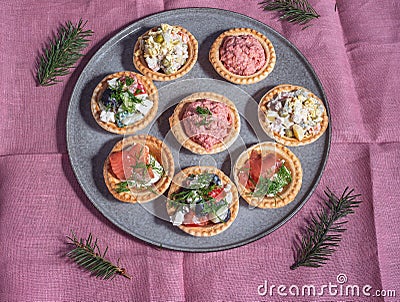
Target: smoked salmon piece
<point x="256" y="165"/>
<point x="132" y="163"/>
<point x="116" y="165"/>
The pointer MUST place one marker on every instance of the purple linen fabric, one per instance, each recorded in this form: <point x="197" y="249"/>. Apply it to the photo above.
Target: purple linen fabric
<point x="355" y="52"/>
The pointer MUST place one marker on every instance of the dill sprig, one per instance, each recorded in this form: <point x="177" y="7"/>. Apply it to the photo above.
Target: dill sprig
<point x="324" y="234"/>
<point x="293" y="11"/>
<point x="266" y="186"/>
<point x="86" y="254"/>
<point x="62" y="52"/>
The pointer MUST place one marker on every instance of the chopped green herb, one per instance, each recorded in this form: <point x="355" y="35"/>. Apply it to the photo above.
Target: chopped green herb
<point x="206" y="115"/>
<point x="124" y="97"/>
<point x="203" y="111"/>
<point x="266" y="186"/>
<point x="129" y="81"/>
<point x="122" y="187"/>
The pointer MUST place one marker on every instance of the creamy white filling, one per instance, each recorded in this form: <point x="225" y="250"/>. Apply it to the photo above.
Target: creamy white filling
<point x="142" y="110"/>
<point x="177" y="218"/>
<point x="131" y="118"/>
<point x="146" y="104"/>
<point x="113" y="83"/>
<point x="107" y="116"/>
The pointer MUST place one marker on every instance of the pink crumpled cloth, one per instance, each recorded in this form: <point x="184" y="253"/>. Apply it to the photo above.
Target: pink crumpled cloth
<point x="354" y="51"/>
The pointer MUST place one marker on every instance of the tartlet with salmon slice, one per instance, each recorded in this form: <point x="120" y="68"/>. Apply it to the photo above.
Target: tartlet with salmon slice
<point x="165" y="52"/>
<point x="202" y="201"/>
<point x="242" y="56"/>
<point x="138" y="169"/>
<point x="124" y="102"/>
<point x="292" y="115"/>
<point x="268" y="175"/>
<point x="205" y="123"/>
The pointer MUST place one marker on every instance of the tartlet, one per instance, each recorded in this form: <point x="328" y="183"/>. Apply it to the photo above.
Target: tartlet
<point x="262" y="73"/>
<point x="292" y="115"/>
<point x="278" y="171"/>
<point x="177" y="123"/>
<point x="137" y="155"/>
<point x="106" y="116"/>
<point x="193" y="217"/>
<point x="139" y="53"/>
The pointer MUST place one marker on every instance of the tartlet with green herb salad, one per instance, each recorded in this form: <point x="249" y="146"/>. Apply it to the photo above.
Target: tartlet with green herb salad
<point x="268" y="175"/>
<point x="205" y="123"/>
<point x="202" y="201"/>
<point x="138" y="169"/>
<point x="165" y="52"/>
<point x="292" y="115"/>
<point x="124" y="102"/>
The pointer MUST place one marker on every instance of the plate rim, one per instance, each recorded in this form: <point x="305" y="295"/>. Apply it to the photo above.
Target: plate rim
<point x="120" y="35"/>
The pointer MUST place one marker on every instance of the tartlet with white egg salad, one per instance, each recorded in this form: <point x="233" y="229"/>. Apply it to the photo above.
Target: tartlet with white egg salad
<point x="165" y="52"/>
<point x="292" y="115"/>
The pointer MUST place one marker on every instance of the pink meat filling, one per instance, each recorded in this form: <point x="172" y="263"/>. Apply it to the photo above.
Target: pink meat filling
<point x="242" y="55"/>
<point x="207" y="129"/>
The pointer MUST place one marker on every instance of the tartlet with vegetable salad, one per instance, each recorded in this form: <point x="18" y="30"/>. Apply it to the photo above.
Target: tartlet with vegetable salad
<point x="138" y="169"/>
<point x="268" y="175"/>
<point x="124" y="102"/>
<point x="202" y="201"/>
<point x="165" y="52"/>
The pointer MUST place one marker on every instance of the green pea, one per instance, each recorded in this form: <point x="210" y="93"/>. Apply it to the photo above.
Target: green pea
<point x="159" y="38"/>
<point x="289" y="133"/>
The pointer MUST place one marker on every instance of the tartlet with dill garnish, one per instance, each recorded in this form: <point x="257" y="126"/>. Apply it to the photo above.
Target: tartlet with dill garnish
<point x="124" y="102"/>
<point x="138" y="169"/>
<point x="202" y="201"/>
<point x="268" y="175"/>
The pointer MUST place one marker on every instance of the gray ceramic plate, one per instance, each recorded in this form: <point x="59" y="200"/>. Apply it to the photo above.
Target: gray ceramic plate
<point x="89" y="145"/>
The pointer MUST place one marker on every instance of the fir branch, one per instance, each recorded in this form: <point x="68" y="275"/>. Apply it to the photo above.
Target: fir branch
<point x="324" y="234"/>
<point x="86" y="254"/>
<point x="293" y="11"/>
<point x="62" y="52"/>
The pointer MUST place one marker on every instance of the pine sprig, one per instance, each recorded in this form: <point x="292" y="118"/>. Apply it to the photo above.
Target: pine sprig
<point x="324" y="234"/>
<point x="293" y="11"/>
<point x="62" y="52"/>
<point x="87" y="255"/>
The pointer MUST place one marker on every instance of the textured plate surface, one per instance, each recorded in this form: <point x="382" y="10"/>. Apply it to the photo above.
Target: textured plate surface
<point x="89" y="145"/>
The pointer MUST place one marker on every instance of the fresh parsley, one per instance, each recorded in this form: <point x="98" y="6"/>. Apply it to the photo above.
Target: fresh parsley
<point x="206" y="116"/>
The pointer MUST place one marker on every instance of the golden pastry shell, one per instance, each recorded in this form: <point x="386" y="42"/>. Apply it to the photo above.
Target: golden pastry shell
<point x="141" y="65"/>
<point x="270" y="57"/>
<point x="156" y="148"/>
<point x="292" y="163"/>
<point x="211" y="230"/>
<point x="151" y="90"/>
<point x="262" y="110"/>
<point x="180" y="135"/>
